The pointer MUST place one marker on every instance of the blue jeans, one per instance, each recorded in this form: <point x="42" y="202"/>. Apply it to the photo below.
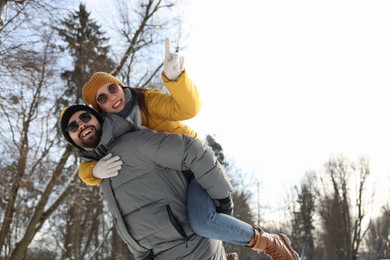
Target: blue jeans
<point x="207" y="222"/>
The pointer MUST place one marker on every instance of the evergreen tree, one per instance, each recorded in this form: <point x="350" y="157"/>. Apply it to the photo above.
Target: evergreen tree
<point x="303" y="223"/>
<point x="217" y="148"/>
<point x="88" y="48"/>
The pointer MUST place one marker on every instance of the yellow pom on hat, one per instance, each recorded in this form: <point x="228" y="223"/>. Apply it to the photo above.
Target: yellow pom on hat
<point x="63" y="111"/>
<point x="98" y="80"/>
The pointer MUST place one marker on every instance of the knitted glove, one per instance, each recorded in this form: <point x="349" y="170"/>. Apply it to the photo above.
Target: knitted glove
<point x="173" y="62"/>
<point x="107" y="167"/>
<point x="225" y="206"/>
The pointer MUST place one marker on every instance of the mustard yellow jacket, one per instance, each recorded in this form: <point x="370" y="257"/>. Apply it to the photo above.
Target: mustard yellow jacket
<point x="165" y="114"/>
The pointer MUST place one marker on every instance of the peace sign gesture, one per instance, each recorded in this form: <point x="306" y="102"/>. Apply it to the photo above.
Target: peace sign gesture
<point x="173" y="62"/>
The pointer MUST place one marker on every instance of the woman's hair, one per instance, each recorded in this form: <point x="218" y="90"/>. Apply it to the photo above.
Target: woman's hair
<point x="139" y="93"/>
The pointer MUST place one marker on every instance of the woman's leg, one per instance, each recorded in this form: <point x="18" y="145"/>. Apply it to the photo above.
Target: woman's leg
<point x="205" y="221"/>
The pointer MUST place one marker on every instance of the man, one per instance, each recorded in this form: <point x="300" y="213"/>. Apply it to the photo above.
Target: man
<point x="148" y="199"/>
<point x="152" y="200"/>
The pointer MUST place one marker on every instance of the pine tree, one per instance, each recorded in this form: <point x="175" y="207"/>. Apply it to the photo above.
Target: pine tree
<point x="303" y="223"/>
<point x="87" y="45"/>
<point x="217" y="148"/>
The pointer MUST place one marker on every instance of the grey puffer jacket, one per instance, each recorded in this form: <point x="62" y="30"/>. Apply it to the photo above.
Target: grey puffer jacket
<point x="148" y="199"/>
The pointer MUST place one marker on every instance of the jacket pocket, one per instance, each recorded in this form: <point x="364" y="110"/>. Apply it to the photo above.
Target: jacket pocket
<point x="175" y="223"/>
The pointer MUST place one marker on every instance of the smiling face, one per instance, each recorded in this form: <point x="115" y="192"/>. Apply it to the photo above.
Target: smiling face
<point x="88" y="133"/>
<point x="114" y="98"/>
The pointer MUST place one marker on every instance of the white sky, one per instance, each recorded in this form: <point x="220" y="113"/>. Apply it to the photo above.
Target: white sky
<point x="287" y="84"/>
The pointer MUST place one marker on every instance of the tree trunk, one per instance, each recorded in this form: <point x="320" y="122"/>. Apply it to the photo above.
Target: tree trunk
<point x="36" y="219"/>
<point x="21" y="167"/>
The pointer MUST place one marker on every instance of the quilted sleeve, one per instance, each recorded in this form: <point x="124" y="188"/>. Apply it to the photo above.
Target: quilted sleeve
<point x="183" y="101"/>
<point x="85" y="173"/>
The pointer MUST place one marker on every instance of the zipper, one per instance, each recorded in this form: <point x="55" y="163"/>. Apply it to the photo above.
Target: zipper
<point x="176" y="224"/>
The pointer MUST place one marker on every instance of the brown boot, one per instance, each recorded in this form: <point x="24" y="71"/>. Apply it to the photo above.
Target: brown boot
<point x="232" y="256"/>
<point x="277" y="246"/>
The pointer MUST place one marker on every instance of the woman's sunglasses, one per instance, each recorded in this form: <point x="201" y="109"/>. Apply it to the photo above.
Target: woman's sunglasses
<point x="84" y="117"/>
<point x="102" y="98"/>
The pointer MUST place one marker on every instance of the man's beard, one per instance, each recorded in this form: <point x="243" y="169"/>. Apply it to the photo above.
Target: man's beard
<point x="92" y="141"/>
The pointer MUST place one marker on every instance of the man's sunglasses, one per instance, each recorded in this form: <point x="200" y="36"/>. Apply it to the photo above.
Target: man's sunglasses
<point x="84" y="117"/>
<point x="102" y="98"/>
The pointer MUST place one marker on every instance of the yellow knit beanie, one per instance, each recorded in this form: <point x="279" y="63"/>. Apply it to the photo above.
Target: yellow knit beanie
<point x="98" y="80"/>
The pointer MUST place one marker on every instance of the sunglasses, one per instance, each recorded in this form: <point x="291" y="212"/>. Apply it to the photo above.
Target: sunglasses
<point x="102" y="98"/>
<point x="84" y="117"/>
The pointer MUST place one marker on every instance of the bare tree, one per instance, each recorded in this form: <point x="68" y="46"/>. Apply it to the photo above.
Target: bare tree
<point x="18" y="21"/>
<point x="142" y="27"/>
<point x="358" y="229"/>
<point x="378" y="236"/>
<point x="29" y="141"/>
<point x="335" y="211"/>
<point x="342" y="220"/>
